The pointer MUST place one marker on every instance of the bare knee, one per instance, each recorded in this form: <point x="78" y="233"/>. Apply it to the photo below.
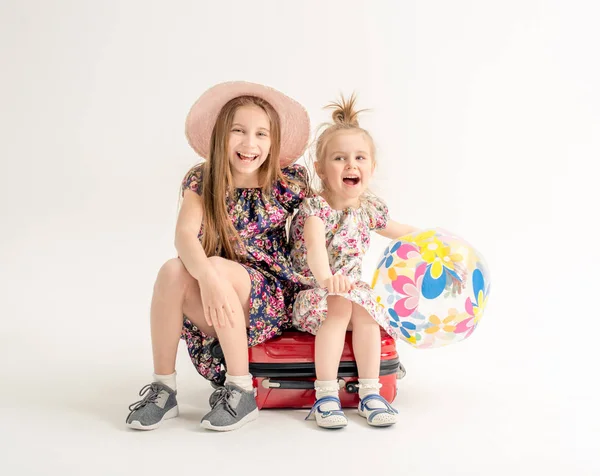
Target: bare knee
<point x="339" y="308"/>
<point x="361" y="318"/>
<point x="173" y="276"/>
<point x="221" y="265"/>
<point x="234" y="273"/>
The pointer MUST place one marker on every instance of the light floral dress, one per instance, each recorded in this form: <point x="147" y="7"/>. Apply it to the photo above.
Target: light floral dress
<point x="347" y="237"/>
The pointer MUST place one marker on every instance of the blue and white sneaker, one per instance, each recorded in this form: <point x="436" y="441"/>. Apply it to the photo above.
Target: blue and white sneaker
<point x="331" y="419"/>
<point x="377" y="411"/>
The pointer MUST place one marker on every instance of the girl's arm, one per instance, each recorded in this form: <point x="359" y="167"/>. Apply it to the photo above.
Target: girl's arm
<point x="217" y="310"/>
<point x="395" y="230"/>
<point x="316" y="249"/>
<point x="318" y="260"/>
<point x="187" y="243"/>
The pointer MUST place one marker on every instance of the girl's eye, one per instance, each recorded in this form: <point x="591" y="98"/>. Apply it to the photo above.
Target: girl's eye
<point x="360" y="157"/>
<point x="339" y="158"/>
<point x="263" y="134"/>
<point x="237" y="129"/>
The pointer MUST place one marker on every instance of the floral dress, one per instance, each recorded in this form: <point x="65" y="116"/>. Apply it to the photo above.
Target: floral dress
<point x="347" y="240"/>
<point x="261" y="223"/>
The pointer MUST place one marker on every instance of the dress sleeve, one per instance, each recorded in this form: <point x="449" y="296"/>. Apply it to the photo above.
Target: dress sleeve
<point x="294" y="189"/>
<point x="193" y="180"/>
<point x="376" y="211"/>
<point x="314" y="207"/>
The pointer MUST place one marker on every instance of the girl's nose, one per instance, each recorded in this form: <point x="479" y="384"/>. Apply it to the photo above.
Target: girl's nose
<point x="249" y="140"/>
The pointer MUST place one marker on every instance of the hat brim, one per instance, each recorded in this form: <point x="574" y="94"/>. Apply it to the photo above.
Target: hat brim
<point x="294" y="119"/>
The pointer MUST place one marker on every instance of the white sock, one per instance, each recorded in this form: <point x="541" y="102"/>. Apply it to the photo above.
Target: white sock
<point x="327" y="388"/>
<point x="370" y="386"/>
<point x="242" y="381"/>
<point x="169" y="380"/>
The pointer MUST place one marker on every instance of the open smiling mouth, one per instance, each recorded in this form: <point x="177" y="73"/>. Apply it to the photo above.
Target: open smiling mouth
<point x="351" y="180"/>
<point x="246" y="157"/>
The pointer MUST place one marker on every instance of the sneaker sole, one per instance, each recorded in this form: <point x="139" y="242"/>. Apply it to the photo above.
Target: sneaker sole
<point x="335" y="426"/>
<point x="172" y="413"/>
<point x="253" y="415"/>
<point x="383" y="421"/>
<point x="332" y="422"/>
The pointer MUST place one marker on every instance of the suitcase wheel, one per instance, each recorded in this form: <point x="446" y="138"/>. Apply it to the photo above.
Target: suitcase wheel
<point x="401" y="372"/>
<point x="216" y="351"/>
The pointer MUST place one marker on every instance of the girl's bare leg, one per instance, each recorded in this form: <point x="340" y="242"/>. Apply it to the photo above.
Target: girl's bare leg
<point x="174" y="286"/>
<point x="329" y="341"/>
<point x="176" y="292"/>
<point x="366" y="342"/>
<point x="233" y="340"/>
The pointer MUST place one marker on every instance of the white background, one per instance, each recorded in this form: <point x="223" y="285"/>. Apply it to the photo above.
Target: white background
<point x="486" y="115"/>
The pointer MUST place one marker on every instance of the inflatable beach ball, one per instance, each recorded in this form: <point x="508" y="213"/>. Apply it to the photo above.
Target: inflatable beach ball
<point x="433" y="286"/>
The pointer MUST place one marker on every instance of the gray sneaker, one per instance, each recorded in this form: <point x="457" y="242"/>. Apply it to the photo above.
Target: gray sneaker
<point x="215" y="396"/>
<point x="158" y="403"/>
<point x="232" y="408"/>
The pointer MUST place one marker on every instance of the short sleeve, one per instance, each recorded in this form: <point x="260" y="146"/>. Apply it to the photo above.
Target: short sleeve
<point x="314" y="207"/>
<point x="193" y="180"/>
<point x="377" y="212"/>
<point x="294" y="189"/>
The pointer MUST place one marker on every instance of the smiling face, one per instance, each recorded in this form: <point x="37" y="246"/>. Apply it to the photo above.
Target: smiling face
<point x="249" y="143"/>
<point x="346" y="168"/>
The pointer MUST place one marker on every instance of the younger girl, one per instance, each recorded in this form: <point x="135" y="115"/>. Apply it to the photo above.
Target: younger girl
<point x="233" y="279"/>
<point x="331" y="235"/>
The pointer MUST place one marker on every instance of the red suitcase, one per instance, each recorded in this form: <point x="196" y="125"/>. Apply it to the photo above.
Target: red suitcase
<point x="284" y="371"/>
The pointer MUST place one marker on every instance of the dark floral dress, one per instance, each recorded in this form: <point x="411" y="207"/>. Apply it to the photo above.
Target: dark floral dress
<point x="261" y="224"/>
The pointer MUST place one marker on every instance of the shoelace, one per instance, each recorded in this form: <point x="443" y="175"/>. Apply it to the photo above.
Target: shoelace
<point x="223" y="394"/>
<point x="149" y="394"/>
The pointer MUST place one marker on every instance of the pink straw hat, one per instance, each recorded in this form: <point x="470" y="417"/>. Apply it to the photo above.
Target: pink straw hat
<point x="295" y="123"/>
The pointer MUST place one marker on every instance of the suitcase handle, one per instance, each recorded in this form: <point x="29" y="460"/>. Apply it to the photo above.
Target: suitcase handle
<point x="296" y="384"/>
<point x="288" y="384"/>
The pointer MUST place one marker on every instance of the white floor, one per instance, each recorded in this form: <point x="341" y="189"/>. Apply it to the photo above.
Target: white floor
<point x="467" y="410"/>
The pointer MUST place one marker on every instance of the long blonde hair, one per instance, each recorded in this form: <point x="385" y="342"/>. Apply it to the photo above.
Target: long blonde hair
<point x="220" y="236"/>
<point x="345" y="118"/>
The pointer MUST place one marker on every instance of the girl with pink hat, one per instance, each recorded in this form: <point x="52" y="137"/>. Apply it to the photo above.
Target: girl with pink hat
<point x="232" y="281"/>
